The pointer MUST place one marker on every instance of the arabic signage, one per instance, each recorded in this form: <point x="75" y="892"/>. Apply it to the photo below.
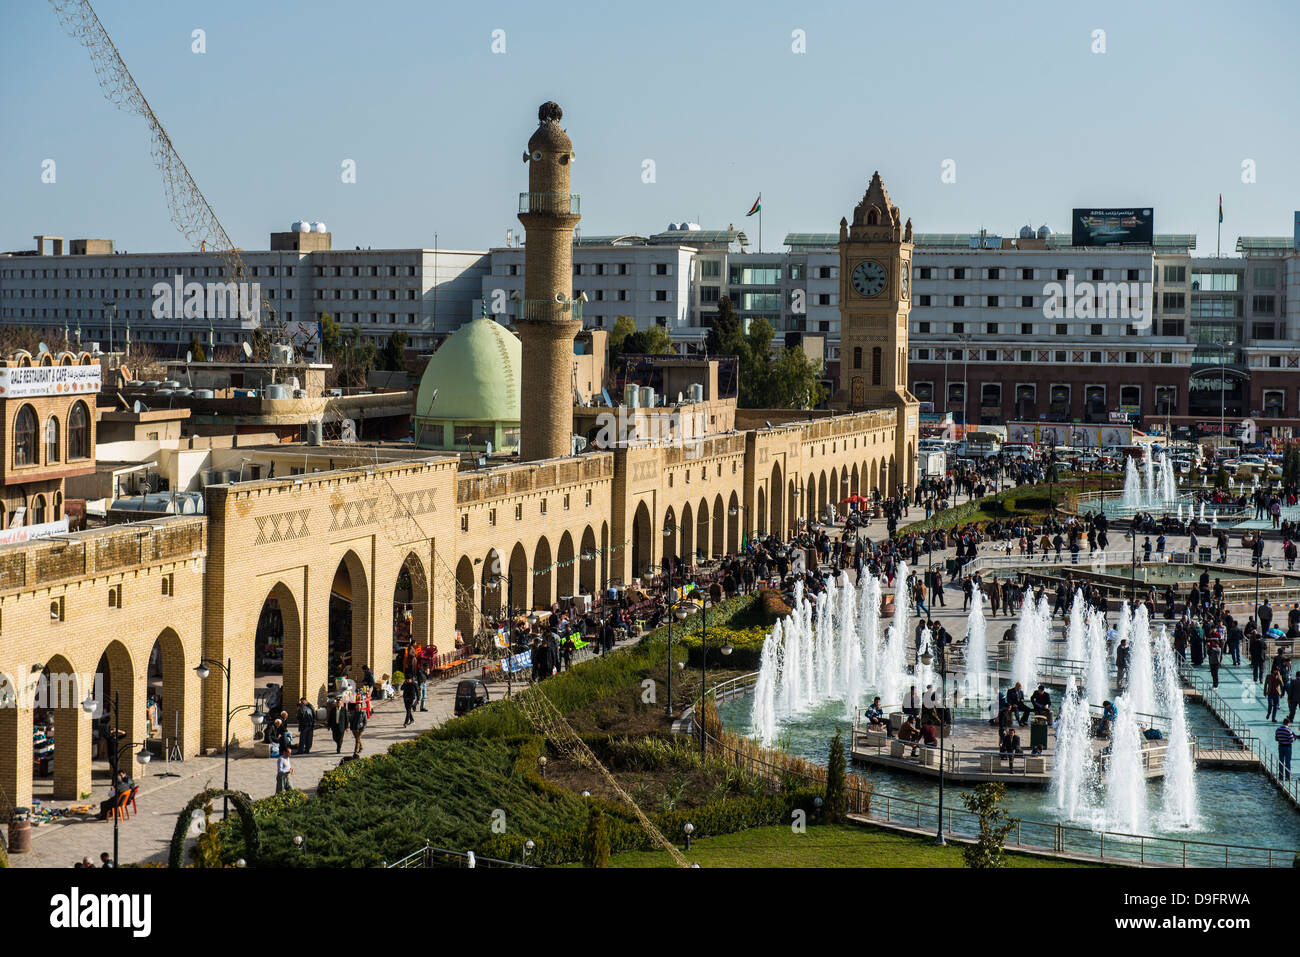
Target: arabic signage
<point x="1112" y="227"/>
<point x="27" y="382"/>
<point x="25" y="533"/>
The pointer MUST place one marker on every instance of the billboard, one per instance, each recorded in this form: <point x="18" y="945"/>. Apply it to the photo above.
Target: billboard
<point x="1112" y="227"/>
<point x="1074" y="434"/>
<point x="25" y="382"/>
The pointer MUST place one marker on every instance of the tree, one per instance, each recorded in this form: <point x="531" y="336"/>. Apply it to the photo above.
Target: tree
<point x="837" y="797"/>
<point x="196" y="349"/>
<point x="653" y="341"/>
<point x="331" y="336"/>
<point x="624" y="326"/>
<point x="393" y="355"/>
<point x="595" y="840"/>
<point x="994" y="825"/>
<point x="1221" y="479"/>
<point x="794" y="381"/>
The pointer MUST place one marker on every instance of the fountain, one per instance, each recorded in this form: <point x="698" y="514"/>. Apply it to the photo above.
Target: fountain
<point x="977" y="655"/>
<point x="1098" y="686"/>
<point x="1126" y="785"/>
<point x="1141" y="676"/>
<point x="1132" y="488"/>
<point x="1074" y="774"/>
<point x="1178" y="790"/>
<point x="1075" y="631"/>
<point x="764" y="718"/>
<point x="1032" y="632"/>
<point x="869" y="627"/>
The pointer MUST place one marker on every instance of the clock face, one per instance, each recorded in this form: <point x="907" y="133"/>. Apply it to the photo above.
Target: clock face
<point x="868" y="278"/>
<point x="907" y="278"/>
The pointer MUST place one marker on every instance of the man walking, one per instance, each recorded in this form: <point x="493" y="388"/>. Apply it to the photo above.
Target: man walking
<point x="422" y="681"/>
<point x="1285" y="738"/>
<point x="410" y="695"/>
<point x="338" y="722"/>
<point x="1122" y="655"/>
<point x="306" y="724"/>
<point x="283" y="768"/>
<point x="1293" y="695"/>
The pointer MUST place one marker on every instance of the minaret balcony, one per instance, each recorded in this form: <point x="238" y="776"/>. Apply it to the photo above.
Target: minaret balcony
<point x="555" y="204"/>
<point x="547" y="309"/>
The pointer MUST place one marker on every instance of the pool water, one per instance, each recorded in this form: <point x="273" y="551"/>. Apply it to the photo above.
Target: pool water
<point x="1237" y="807"/>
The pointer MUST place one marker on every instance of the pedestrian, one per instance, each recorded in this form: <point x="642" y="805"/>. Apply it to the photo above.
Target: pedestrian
<point x="1285" y="738"/>
<point x="1214" y="652"/>
<point x="105" y="861"/>
<point x="338" y="722"/>
<point x="283" y="768"/>
<point x="422" y="682"/>
<point x="1273" y="694"/>
<point x="357" y="722"/>
<point x="410" y="695"/>
<point x="1122" y="655"/>
<point x="1293" y="696"/>
<point x="306" y="725"/>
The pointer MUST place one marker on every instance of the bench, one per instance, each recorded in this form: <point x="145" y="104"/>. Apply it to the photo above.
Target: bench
<point x="1035" y="764"/>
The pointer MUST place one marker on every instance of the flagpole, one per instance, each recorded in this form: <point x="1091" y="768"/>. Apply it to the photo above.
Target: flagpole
<point x="1218" y="234"/>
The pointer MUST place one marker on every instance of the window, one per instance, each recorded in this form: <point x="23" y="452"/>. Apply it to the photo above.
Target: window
<point x="958" y="301"/>
<point x="991" y="394"/>
<point x="661" y="295"/>
<point x="1132" y="275"/>
<point x="992" y="302"/>
<point x="1131" y="357"/>
<point x="115" y="597"/>
<point x="25" y="437"/>
<point x="51" y="439"/>
<point x="923" y="300"/>
<point x="1173" y="301"/>
<point x="923" y="328"/>
<point x="566" y="501"/>
<point x="661" y="269"/>
<point x="519" y="512"/>
<point x="857" y="357"/>
<point x="168" y="586"/>
<point x="588" y="501"/>
<point x="1096" y="329"/>
<point x="1166" y="399"/>
<point x="959" y="273"/>
<point x="991" y="328"/>
<point x="1027" y="274"/>
<point x="543" y="507"/>
<point x="1274" y="403"/>
<point x="464" y="523"/>
<point x="1175" y="274"/>
<point x="923" y="272"/>
<point x="1026" y="328"/>
<point x="1094" y="357"/>
<point x="1098" y="275"/>
<point x="492" y="517"/>
<point x="1026" y="302"/>
<point x="958" y="327"/>
<point x="38" y="510"/>
<point x="876" y="365"/>
<point x="1266" y="276"/>
<point x="1263" y="305"/>
<point x="1062" y="329"/>
<point x="1061" y="274"/>
<point x="995" y="272"/>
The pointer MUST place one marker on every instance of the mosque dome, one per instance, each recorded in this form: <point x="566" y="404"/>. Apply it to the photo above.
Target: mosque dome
<point x="475" y="374"/>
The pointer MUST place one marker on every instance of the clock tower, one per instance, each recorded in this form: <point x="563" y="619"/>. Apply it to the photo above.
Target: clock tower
<point x="875" y="298"/>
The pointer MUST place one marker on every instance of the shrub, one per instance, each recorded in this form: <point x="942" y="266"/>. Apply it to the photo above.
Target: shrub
<point x="772" y="606"/>
<point x="837" y="799"/>
<point x="595" y="840"/>
<point x="986" y="801"/>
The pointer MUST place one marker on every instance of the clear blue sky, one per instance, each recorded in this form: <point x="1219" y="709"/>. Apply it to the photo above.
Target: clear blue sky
<point x="436" y="122"/>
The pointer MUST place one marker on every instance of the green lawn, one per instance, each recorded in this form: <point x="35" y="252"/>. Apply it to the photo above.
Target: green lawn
<point x="847" y="846"/>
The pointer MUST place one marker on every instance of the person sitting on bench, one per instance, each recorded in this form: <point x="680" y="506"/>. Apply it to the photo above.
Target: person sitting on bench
<point x="929" y="735"/>
<point x="909" y="734"/>
<point x="1042" y="702"/>
<point x="876" y="715"/>
<point x="1016" y="702"/>
<point x="1108" y="714"/>
<point x="1010" y="747"/>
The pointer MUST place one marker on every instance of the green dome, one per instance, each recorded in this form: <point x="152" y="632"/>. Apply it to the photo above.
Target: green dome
<point x="475" y="374"/>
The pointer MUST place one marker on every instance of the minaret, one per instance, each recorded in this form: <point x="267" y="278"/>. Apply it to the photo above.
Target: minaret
<point x="548" y="318"/>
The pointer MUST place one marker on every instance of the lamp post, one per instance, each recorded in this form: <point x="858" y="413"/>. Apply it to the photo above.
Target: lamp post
<point x="90" y="706"/>
<point x="258" y="718"/>
<point x="744" y="528"/>
<point x="926" y="659"/>
<point x="726" y="649"/>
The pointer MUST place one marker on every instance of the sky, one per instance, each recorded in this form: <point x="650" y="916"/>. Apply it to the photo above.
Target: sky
<point x="1008" y="98"/>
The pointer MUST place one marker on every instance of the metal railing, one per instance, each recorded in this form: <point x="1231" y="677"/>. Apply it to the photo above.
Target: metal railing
<point x="430" y="856"/>
<point x="1237" y="726"/>
<point x="544" y="309"/>
<point x="557" y="204"/>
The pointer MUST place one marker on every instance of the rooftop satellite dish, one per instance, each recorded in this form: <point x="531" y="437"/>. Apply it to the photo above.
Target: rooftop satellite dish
<point x="488" y="447"/>
<point x="189" y="357"/>
<point x="248" y="350"/>
<point x="139" y="407"/>
<point x="42" y="348"/>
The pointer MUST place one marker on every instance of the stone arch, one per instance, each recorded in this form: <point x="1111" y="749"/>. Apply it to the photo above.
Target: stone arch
<point x="604" y="555"/>
<point x="518" y="590"/>
<point x="466" y="612"/>
<point x="115" y="676"/>
<point x="893" y="473"/>
<point x="792" y="508"/>
<point x="172" y="689"/>
<point x="853" y="481"/>
<point x="911" y="463"/>
<point x="734" y="527"/>
<point x="835" y="493"/>
<point x="810" y="499"/>
<point x="822" y="497"/>
<point x="671" y="536"/>
<point x="702" y="529"/>
<point x="587" y="556"/>
<point x="60" y="694"/>
<point x="565" y="567"/>
<point x="349" y="620"/>
<point x="776" y="488"/>
<point x="279" y="646"/>
<point x="688" y="535"/>
<point x="875" y="477"/>
<point x="719" y="526"/>
<point x="418" y="600"/>
<point x="543" y="575"/>
<point x="642" y="540"/>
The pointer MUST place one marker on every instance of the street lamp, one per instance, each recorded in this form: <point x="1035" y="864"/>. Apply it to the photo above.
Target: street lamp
<point x="495" y="582"/>
<point x="90" y="706"/>
<point x="726" y="649"/>
<point x="926" y="659"/>
<point x="688" y="829"/>
<point x="258" y="718"/>
<point x="744" y="530"/>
